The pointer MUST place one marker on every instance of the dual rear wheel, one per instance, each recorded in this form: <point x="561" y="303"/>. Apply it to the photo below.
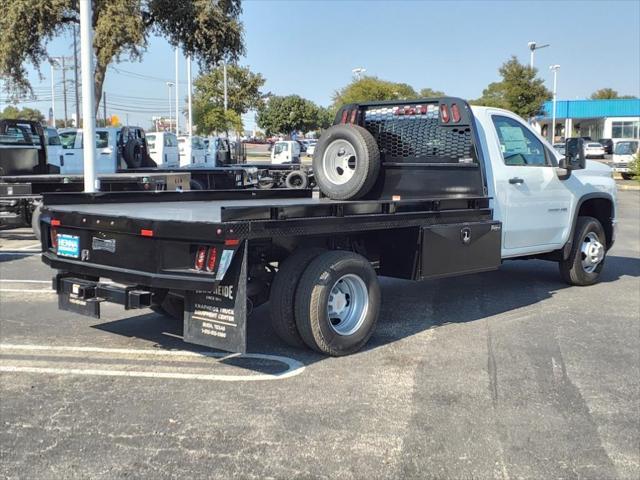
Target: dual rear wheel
<point x="326" y="300"/>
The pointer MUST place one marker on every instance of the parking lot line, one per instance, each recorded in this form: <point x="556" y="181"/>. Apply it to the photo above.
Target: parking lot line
<point x="294" y="367"/>
<point x="27" y="290"/>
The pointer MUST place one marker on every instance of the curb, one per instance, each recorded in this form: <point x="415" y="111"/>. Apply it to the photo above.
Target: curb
<point x="629" y="187"/>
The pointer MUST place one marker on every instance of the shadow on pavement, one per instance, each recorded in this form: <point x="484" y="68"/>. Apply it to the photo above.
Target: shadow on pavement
<point x="408" y="307"/>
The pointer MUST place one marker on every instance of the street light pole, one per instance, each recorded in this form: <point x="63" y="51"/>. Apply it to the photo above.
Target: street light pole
<point x="169" y="85"/>
<point x="533" y="46"/>
<point x="177" y="97"/>
<point x="53" y="95"/>
<point x="554" y="69"/>
<point x="88" y="100"/>
<point x="224" y="74"/>
<point x="190" y="126"/>
<point x="357" y="72"/>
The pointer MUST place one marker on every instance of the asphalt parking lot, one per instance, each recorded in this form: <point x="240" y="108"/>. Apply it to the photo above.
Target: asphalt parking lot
<point x="507" y="375"/>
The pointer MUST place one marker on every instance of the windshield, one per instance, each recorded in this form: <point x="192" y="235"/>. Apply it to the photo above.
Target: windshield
<point x="594" y="145"/>
<point x="280" y="147"/>
<point x="625" y="148"/>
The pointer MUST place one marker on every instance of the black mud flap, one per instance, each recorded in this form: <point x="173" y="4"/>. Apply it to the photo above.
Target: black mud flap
<point x="218" y="318"/>
<point x="78" y="296"/>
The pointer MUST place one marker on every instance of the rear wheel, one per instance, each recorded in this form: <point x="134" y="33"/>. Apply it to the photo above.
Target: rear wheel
<point x="35" y="220"/>
<point x="195" y="184"/>
<point x="587" y="256"/>
<point x="283" y="292"/>
<point x="337" y="303"/>
<point x="346" y="162"/>
<point x="170" y="306"/>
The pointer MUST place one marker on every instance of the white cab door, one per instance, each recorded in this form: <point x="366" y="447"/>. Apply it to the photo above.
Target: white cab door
<point x="536" y="204"/>
<point x="71" y="163"/>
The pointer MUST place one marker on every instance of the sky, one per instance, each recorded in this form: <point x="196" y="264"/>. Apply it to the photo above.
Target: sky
<point x="309" y="48"/>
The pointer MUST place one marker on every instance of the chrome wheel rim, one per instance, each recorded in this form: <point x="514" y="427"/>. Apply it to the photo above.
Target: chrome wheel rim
<point x="339" y="162"/>
<point x="348" y="304"/>
<point x="592" y="252"/>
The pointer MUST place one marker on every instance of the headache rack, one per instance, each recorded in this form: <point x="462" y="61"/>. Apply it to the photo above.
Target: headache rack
<point x="427" y="146"/>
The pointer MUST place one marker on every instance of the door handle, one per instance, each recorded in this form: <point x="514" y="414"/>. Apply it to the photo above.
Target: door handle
<point x="515" y="180"/>
<point x="68" y="153"/>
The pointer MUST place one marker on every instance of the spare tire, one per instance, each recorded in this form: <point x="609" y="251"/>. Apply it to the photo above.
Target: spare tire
<point x="346" y="162"/>
<point x="133" y="153"/>
<point x="297" y="179"/>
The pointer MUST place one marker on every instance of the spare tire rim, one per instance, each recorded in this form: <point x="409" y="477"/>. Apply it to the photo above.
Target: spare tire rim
<point x="348" y="304"/>
<point x="592" y="252"/>
<point x="339" y="162"/>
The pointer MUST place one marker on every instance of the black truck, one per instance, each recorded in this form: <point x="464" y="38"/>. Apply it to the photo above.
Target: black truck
<point x="403" y="192"/>
<point x="26" y="172"/>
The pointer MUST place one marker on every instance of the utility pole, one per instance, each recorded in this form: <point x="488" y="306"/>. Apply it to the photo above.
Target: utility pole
<point x="554" y="69"/>
<point x="75" y="74"/>
<point x="64" y="92"/>
<point x="177" y="97"/>
<point x="104" y="107"/>
<point x="88" y="100"/>
<point x="190" y="126"/>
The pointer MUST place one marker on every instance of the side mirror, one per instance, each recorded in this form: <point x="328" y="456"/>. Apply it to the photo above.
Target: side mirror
<point x="574" y="154"/>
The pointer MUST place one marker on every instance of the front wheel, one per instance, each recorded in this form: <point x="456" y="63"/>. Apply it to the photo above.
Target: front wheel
<point x="587" y="256"/>
<point x="337" y="303"/>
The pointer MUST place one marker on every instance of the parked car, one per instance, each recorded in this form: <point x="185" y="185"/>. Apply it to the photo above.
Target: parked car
<point x="623" y="153"/>
<point x="560" y="148"/>
<point x="163" y="148"/>
<point x="287" y="151"/>
<point x="607" y="144"/>
<point x="194" y="152"/>
<point x="593" y="150"/>
<point x="310" y="145"/>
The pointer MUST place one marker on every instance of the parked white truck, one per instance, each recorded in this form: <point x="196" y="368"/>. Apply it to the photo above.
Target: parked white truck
<point x="410" y="189"/>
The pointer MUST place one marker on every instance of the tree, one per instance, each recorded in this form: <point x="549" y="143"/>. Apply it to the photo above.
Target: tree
<point x="11" y="112"/>
<point x="243" y="92"/>
<point x="430" y="93"/>
<point x="291" y="114"/>
<point x="607" y="94"/>
<point x="519" y="91"/>
<point x="212" y="119"/>
<point x="369" y="88"/>
<point x="209" y="31"/>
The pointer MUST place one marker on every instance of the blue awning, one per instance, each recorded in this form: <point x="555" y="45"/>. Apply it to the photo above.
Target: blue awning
<point x="620" y="107"/>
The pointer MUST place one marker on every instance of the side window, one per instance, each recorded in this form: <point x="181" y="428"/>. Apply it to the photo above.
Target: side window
<point x="102" y="139"/>
<point x="518" y="144"/>
<point x="68" y="139"/>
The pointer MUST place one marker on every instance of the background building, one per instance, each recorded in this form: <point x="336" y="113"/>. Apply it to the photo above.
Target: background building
<point x="617" y="118"/>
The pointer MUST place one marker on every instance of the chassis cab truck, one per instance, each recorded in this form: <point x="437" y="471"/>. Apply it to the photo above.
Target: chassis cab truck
<point x="414" y="190"/>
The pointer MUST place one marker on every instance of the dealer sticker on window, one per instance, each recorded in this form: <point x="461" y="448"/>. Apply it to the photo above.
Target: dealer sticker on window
<point x="68" y="245"/>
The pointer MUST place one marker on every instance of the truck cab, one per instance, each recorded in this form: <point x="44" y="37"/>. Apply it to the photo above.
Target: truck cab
<point x="163" y="149"/>
<point x="285" y="151"/>
<point x="117" y="148"/>
<point x="535" y="198"/>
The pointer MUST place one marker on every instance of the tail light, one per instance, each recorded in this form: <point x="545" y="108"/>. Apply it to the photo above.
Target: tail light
<point x="444" y="113"/>
<point x="354" y="114"/>
<point x="344" y="116"/>
<point x="211" y="259"/>
<point x="206" y="258"/>
<point x="455" y="113"/>
<point x="201" y="256"/>
<point x="53" y="236"/>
